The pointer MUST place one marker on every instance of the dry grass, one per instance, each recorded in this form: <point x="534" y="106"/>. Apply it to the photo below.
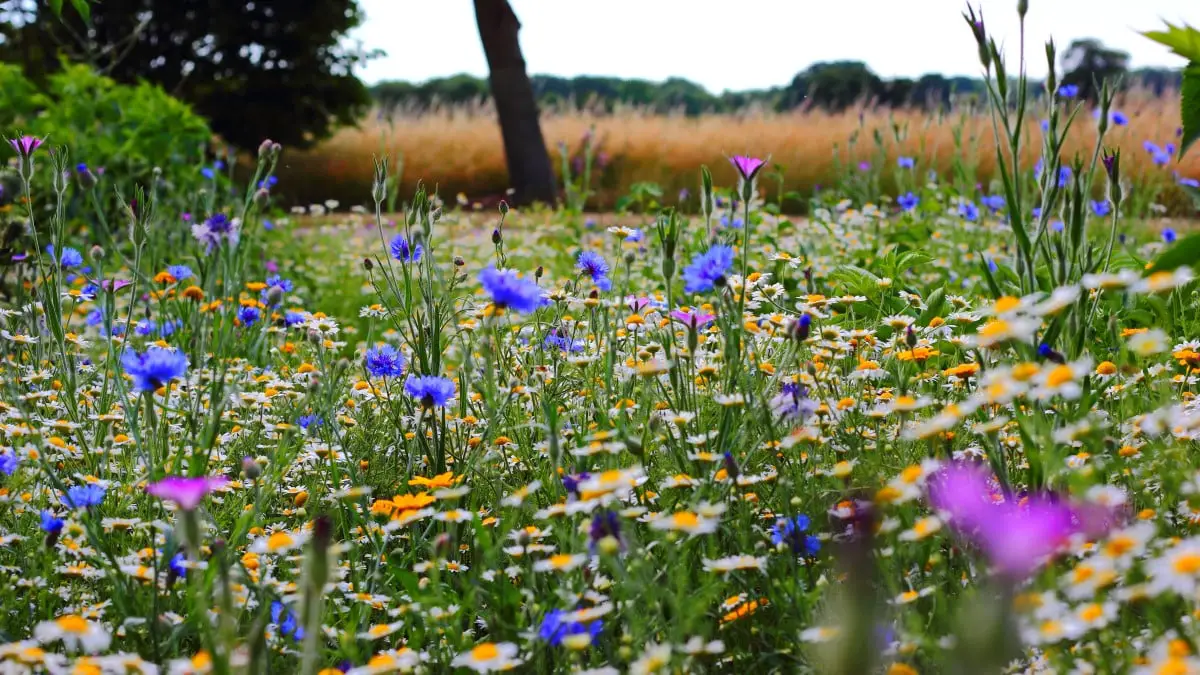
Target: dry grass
<point x="460" y="150"/>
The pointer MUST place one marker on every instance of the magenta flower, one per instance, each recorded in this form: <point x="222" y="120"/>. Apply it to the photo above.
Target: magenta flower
<point x="25" y="145"/>
<point x="185" y="492"/>
<point x="747" y="166"/>
<point x="1017" y="535"/>
<point x="694" y="319"/>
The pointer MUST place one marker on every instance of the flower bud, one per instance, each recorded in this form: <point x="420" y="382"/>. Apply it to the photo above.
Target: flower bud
<point x="264" y="149"/>
<point x="503" y="208"/>
<point x="261" y="197"/>
<point x="85" y="177"/>
<point x="97" y="252"/>
<point x="459" y="261"/>
<point x="250" y="468"/>
<point x="496" y="236"/>
<point x="367" y="264"/>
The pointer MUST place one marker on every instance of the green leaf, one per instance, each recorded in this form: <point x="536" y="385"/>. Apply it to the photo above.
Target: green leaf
<point x="83" y="7"/>
<point x="1183" y="40"/>
<point x="56" y="7"/>
<point x="933" y="306"/>
<point x="1185" y="252"/>
<point x="1190" y="106"/>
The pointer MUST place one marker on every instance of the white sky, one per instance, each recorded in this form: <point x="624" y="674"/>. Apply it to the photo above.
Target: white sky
<point x="748" y="44"/>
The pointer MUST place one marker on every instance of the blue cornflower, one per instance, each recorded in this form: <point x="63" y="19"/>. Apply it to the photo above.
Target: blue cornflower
<point x="1068" y="91"/>
<point x="384" y="361"/>
<point x="284" y="285"/>
<point x="177" y="565"/>
<point x="968" y="210"/>
<point x="1118" y="118"/>
<point x="555" y="627"/>
<point x="70" y="258"/>
<point x="180" y="272"/>
<point x="306" y="421"/>
<point x="51" y="524"/>
<point x="1168" y="235"/>
<point x="84" y="496"/>
<point x="89" y="292"/>
<point x="1161" y="158"/>
<point x="294" y="318"/>
<point x="249" y="315"/>
<point x="908" y="201"/>
<point x="403" y="251"/>
<point x="736" y="224"/>
<point x="792" y="532"/>
<point x="993" y="202"/>
<point x="1045" y="126"/>
<point x="594" y="265"/>
<point x="1064" y="176"/>
<point x="605" y="524"/>
<point x="1101" y="208"/>
<point x="705" y="269"/>
<point x="906" y="162"/>
<point x="508" y="291"/>
<point x="1189" y="182"/>
<point x="566" y="344"/>
<point x="145" y="327"/>
<point x="8" y="463"/>
<point x="154" y="368"/>
<point x="431" y="390"/>
<point x="286" y="620"/>
<point x="635" y="236"/>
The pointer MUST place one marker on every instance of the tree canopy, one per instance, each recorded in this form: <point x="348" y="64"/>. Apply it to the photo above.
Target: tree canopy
<point x="254" y="68"/>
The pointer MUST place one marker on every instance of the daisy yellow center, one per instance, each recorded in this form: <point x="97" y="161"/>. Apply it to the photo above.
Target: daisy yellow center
<point x="994" y="328"/>
<point x="1091" y="613"/>
<point x="279" y="540"/>
<point x="1188" y="563"/>
<point x="1119" y="546"/>
<point x="1060" y="376"/>
<point x="911" y="474"/>
<point x="72" y="623"/>
<point x="685" y="519"/>
<point x="485" y="652"/>
<point x="1007" y="304"/>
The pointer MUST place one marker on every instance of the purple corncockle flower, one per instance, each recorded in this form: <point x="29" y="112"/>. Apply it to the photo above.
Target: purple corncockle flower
<point x="185" y="492"/>
<point x="25" y="145"/>
<point x="905" y="162"/>
<point x="747" y="167"/>
<point x="1016" y="534"/>
<point x="637" y="303"/>
<point x="693" y="319"/>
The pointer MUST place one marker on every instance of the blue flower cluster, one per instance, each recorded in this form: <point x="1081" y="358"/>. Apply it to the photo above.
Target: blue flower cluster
<point x="431" y="390"/>
<point x="509" y="291"/>
<point x="594" y="265"/>
<point x="384" y="361"/>
<point x="702" y="273"/>
<point x="403" y="251"/>
<point x="154" y="368"/>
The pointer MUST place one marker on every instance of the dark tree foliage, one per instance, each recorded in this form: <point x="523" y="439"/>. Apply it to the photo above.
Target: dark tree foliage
<point x="1088" y="63"/>
<point x="255" y="68"/>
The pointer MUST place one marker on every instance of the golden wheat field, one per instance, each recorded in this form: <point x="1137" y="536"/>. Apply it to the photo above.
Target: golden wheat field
<point x="459" y="149"/>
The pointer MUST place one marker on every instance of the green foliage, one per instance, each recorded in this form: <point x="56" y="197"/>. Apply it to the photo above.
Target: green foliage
<point x="1183" y="40"/>
<point x="1185" y="252"/>
<point x="126" y="129"/>
<point x="1190" y="106"/>
<point x="267" y="69"/>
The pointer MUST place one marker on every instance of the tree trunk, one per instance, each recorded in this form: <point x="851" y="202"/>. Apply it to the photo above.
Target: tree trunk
<point x="529" y="169"/>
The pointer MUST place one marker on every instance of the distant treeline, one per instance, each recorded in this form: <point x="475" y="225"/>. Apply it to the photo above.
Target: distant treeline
<point x="831" y="86"/>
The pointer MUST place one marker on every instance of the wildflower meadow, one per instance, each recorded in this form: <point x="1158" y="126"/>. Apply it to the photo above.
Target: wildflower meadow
<point x="943" y="428"/>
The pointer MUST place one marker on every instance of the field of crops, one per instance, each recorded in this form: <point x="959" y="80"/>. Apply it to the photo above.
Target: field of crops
<point x="459" y="149"/>
<point x="945" y="422"/>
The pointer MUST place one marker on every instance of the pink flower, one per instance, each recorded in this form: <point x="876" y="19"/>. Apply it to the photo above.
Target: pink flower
<point x="185" y="492"/>
<point x="1016" y="535"/>
<point x="748" y="167"/>
<point x="692" y="319"/>
<point x="25" y="145"/>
